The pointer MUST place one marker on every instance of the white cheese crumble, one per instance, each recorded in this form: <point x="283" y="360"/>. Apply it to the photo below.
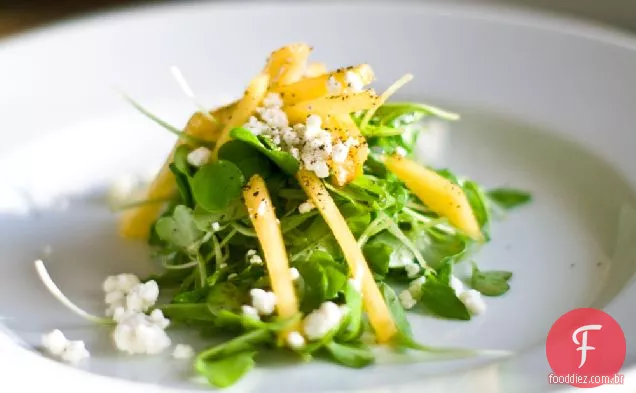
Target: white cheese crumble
<point x="256" y="260"/>
<point x="333" y="86"/>
<point x="340" y="152"/>
<point x="322" y="320"/>
<point x="457" y="285"/>
<point x="406" y="298"/>
<point x="354" y="82"/>
<point x="216" y="226"/>
<point x="295" y="340"/>
<point x="125" y="290"/>
<point x="263" y="301"/>
<point x="138" y="333"/>
<point x="250" y="311"/>
<point x="412" y="269"/>
<point x="273" y="100"/>
<point x="473" y="301"/>
<point x="183" y="351"/>
<point x="400" y="257"/>
<point x="71" y="352"/>
<point x="294" y="273"/>
<point x="415" y="287"/>
<point x="306" y="207"/>
<point x="199" y="156"/>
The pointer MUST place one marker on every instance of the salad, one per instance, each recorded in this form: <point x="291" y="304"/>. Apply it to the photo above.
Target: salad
<point x="289" y="218"/>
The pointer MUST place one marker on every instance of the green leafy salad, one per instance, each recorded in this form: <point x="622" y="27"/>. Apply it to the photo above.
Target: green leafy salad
<point x="298" y="219"/>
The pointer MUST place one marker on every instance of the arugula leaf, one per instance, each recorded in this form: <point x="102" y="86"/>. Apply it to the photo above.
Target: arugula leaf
<point x="227" y="371"/>
<point x="183" y="186"/>
<point x="315" y="284"/>
<point x="400" y="113"/>
<point x="350" y="355"/>
<point x="283" y="160"/>
<point x="441" y="299"/>
<point x="194" y="296"/>
<point x="234" y="211"/>
<point x="216" y="185"/>
<point x="509" y="198"/>
<point x="179" y="230"/>
<point x="490" y="283"/>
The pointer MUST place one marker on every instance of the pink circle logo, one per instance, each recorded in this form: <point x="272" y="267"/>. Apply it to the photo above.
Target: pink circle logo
<point x="585" y="348"/>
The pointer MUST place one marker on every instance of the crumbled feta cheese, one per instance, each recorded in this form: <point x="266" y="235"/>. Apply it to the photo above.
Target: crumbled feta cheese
<point x="295" y="152"/>
<point x="216" y="226"/>
<point x="199" y="156"/>
<point x="294" y="273"/>
<point x="333" y="86"/>
<point x="256" y="260"/>
<point x="322" y="320"/>
<point x="273" y="100"/>
<point x="71" y="352"/>
<point x="415" y="287"/>
<point x="340" y="152"/>
<point x="262" y="207"/>
<point x="126" y="291"/>
<point x="400" y="151"/>
<point x="473" y="301"/>
<point x="306" y="207"/>
<point x="142" y="296"/>
<point x="159" y="319"/>
<point x="55" y="342"/>
<point x="183" y="351"/>
<point x="401" y="256"/>
<point x="351" y="142"/>
<point x="291" y="138"/>
<point x="137" y="333"/>
<point x="74" y="353"/>
<point x="121" y="282"/>
<point x="295" y="340"/>
<point x="222" y="265"/>
<point x="457" y="285"/>
<point x="313" y="125"/>
<point x="321" y="169"/>
<point x="251" y="252"/>
<point x="256" y="126"/>
<point x="353" y="81"/>
<point x="250" y="311"/>
<point x="273" y="117"/>
<point x="406" y="298"/>
<point x="412" y="269"/>
<point x="263" y="301"/>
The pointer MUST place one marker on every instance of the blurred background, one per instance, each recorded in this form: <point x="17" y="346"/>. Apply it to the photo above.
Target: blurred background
<point x="21" y="15"/>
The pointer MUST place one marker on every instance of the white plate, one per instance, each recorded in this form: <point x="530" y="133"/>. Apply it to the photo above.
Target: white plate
<point x="547" y="105"/>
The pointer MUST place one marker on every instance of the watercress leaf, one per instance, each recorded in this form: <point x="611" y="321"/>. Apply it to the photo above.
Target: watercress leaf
<point x="283" y="160"/>
<point x="351" y="327"/>
<point x="245" y="342"/>
<point x="179" y="229"/>
<point x="390" y="112"/>
<point x="216" y="185"/>
<point x="396" y="309"/>
<point x="336" y="280"/>
<point x="225" y="296"/>
<point x="378" y="256"/>
<point x="350" y="355"/>
<point x="249" y="160"/>
<point x="180" y="159"/>
<point x="227" y="371"/>
<point x="234" y="211"/>
<point x="437" y="246"/>
<point x="441" y="299"/>
<point x="291" y="222"/>
<point x="187" y="312"/>
<point x="490" y="283"/>
<point x="477" y="201"/>
<point x="509" y="198"/>
<point x="315" y="284"/>
<point x="194" y="296"/>
<point x="183" y="186"/>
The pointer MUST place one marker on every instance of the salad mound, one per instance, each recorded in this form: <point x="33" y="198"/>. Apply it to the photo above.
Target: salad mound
<point x="288" y="217"/>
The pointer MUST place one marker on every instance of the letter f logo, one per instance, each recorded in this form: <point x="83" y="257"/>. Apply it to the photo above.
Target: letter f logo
<point x="583" y="344"/>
